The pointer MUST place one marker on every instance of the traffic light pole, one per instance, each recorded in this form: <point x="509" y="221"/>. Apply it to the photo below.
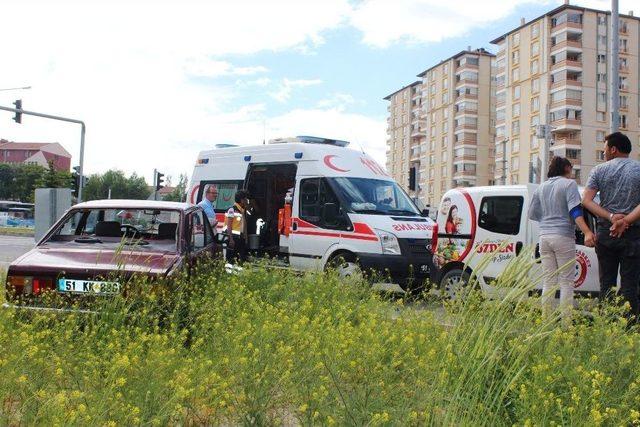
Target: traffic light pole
<point x="62" y="119"/>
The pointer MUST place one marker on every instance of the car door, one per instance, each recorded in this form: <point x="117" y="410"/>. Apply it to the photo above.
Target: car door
<point x="316" y="223"/>
<point x="200" y="237"/>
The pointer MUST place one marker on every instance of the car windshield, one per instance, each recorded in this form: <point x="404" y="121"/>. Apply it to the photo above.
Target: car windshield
<point x="374" y="196"/>
<point x="145" y="228"/>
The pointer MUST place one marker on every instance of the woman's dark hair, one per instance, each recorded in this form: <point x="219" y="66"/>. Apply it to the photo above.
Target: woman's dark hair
<point x="450" y="217"/>
<point x="620" y="141"/>
<point x="242" y="194"/>
<point x="558" y="166"/>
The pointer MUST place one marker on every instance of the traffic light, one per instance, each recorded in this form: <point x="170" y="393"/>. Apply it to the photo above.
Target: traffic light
<point x="76" y="180"/>
<point x="18" y="117"/>
<point x="159" y="181"/>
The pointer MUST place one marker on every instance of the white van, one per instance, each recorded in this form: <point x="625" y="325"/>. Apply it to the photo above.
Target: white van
<point x="494" y="220"/>
<point x="345" y="210"/>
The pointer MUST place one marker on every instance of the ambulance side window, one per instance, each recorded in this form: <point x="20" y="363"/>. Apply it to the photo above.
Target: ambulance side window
<point x="501" y="214"/>
<point x="315" y="194"/>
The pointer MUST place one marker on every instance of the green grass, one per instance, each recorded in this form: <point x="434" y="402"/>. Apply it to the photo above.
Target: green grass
<point x="270" y="347"/>
<point x="16" y="231"/>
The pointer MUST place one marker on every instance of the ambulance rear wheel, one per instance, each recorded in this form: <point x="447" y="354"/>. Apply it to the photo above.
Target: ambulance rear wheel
<point x="454" y="283"/>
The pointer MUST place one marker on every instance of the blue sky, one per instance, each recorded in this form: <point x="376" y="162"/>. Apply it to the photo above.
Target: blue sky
<point x="158" y="81"/>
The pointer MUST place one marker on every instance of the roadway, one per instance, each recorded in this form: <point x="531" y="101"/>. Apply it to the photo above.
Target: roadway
<point x="11" y="247"/>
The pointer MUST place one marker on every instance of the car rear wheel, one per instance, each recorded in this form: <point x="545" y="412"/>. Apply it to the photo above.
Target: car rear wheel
<point x="454" y="283"/>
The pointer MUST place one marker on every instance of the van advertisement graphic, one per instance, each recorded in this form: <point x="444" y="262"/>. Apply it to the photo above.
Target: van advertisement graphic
<point x="583" y="263"/>
<point x="456" y="227"/>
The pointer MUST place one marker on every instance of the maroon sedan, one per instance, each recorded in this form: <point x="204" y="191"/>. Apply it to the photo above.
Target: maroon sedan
<point x="96" y="246"/>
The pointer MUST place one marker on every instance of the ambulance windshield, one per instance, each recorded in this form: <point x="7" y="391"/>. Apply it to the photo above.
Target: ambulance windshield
<point x="374" y="196"/>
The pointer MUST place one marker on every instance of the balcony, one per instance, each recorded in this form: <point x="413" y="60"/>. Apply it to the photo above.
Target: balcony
<point x="466" y="139"/>
<point x="501" y="70"/>
<point x="624" y="69"/>
<point x="463" y="82"/>
<point x="570" y="83"/>
<point x="567" y="25"/>
<point x="416" y="132"/>
<point x="467" y="96"/>
<point x="467" y="66"/>
<point x="466" y="126"/>
<point x="569" y="63"/>
<point x="561" y="141"/>
<point x="567" y="102"/>
<point x="464" y="174"/>
<point x="567" y="124"/>
<point x="465" y="158"/>
<point x="466" y="111"/>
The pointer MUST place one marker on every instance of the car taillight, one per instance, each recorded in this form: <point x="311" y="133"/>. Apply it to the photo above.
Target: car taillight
<point x="28" y="285"/>
<point x="434" y="238"/>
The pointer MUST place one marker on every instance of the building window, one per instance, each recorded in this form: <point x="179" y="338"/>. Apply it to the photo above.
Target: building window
<point x="600" y="136"/>
<point x="516" y="93"/>
<point x="445" y="83"/>
<point x="602" y="40"/>
<point x="601" y="77"/>
<point x="623" y="121"/>
<point x="515" y="57"/>
<point x="445" y="69"/>
<point x="515" y="110"/>
<point x="535" y="121"/>
<point x="602" y="97"/>
<point x="443" y="171"/>
<point x="515" y="128"/>
<point x="535" y="85"/>
<point x="534" y="142"/>
<point x="535" y="104"/>
<point x="602" y="58"/>
<point x="445" y="141"/>
<point x="602" y="20"/>
<point x="515" y="39"/>
<point x="600" y="116"/>
<point x="534" y="66"/>
<point x="535" y="30"/>
<point x="535" y="48"/>
<point x="515" y="145"/>
<point x="599" y="155"/>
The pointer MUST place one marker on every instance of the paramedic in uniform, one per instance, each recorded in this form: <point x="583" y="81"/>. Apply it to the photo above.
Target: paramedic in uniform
<point x="237" y="228"/>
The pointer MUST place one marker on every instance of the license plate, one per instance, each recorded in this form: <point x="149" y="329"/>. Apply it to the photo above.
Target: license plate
<point x="88" y="287"/>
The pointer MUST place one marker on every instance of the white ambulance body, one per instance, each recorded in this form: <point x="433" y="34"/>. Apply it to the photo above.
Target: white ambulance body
<point x="345" y="206"/>
<point x="474" y="222"/>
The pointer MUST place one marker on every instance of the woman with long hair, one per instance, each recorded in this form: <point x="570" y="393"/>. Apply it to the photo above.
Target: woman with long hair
<point x="556" y="206"/>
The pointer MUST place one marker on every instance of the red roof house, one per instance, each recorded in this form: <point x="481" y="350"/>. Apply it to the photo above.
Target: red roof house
<point x="40" y="153"/>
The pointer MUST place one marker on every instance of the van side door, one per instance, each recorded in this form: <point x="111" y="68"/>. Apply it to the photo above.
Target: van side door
<point x="317" y="222"/>
<point x="501" y="232"/>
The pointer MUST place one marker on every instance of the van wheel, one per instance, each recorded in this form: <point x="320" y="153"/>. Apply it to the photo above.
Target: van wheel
<point x="453" y="283"/>
<point x="345" y="266"/>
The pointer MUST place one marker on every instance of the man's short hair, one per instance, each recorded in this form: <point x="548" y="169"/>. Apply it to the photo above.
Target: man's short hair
<point x="620" y="141"/>
<point x="242" y="194"/>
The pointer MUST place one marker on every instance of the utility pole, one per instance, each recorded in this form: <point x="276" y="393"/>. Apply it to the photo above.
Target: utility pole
<point x="155" y="184"/>
<point x="615" y="60"/>
<point x="504" y="161"/>
<point x="20" y="111"/>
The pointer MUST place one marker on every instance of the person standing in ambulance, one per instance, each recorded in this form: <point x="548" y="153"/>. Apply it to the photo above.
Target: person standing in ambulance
<point x="237" y="228"/>
<point x="556" y="206"/>
<point x="208" y="205"/>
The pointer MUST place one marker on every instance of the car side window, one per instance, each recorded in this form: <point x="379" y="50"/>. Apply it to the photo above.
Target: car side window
<point x="198" y="231"/>
<point x="501" y="214"/>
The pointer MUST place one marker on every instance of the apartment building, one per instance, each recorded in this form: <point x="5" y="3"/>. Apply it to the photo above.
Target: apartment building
<point x="555" y="70"/>
<point x="404" y="137"/>
<point x="458" y="121"/>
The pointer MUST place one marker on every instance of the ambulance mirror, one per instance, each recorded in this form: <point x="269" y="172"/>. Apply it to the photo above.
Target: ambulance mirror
<point x="425" y="212"/>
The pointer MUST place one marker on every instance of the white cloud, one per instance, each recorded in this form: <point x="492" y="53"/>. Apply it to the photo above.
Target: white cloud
<point x="383" y="22"/>
<point x="339" y="101"/>
<point x="283" y="93"/>
<point x="125" y="67"/>
<point x="209" y="67"/>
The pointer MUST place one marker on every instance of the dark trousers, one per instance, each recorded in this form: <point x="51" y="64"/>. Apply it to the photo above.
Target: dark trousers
<point x="623" y="255"/>
<point x="239" y="251"/>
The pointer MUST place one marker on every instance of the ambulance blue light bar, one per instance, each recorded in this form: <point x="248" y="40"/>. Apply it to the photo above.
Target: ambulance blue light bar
<point x="203" y="161"/>
<point x="247" y="158"/>
<point x="325" y="141"/>
<point x="298" y="155"/>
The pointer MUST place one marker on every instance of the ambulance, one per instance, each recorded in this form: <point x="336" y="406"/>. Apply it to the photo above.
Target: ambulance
<point x="317" y="203"/>
<point x="473" y="223"/>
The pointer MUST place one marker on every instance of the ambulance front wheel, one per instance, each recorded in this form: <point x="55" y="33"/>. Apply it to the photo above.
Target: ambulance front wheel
<point x="346" y="265"/>
<point x="454" y="282"/>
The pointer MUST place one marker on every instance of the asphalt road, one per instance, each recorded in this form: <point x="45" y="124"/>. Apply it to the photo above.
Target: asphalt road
<point x="11" y="247"/>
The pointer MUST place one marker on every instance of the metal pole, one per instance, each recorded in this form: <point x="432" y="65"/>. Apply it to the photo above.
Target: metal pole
<point x="155" y="184"/>
<point x="547" y="142"/>
<point x="615" y="59"/>
<point x="81" y="169"/>
<point x="62" y="119"/>
<point x="504" y="161"/>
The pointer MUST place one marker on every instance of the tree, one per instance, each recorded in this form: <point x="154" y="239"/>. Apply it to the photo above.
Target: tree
<point x="56" y="179"/>
<point x="121" y="187"/>
<point x="178" y="194"/>
<point x="7" y="186"/>
<point x="28" y="177"/>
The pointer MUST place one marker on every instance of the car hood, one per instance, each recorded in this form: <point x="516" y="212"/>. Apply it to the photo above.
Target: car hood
<point x="92" y="262"/>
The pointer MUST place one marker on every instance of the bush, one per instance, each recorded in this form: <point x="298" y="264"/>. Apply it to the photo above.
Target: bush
<point x="272" y="347"/>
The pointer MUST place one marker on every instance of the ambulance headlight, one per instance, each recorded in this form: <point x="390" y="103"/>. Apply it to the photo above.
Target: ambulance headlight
<point x="389" y="242"/>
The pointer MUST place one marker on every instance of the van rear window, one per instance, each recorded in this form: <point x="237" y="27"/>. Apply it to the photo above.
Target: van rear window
<point x="501" y="214"/>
